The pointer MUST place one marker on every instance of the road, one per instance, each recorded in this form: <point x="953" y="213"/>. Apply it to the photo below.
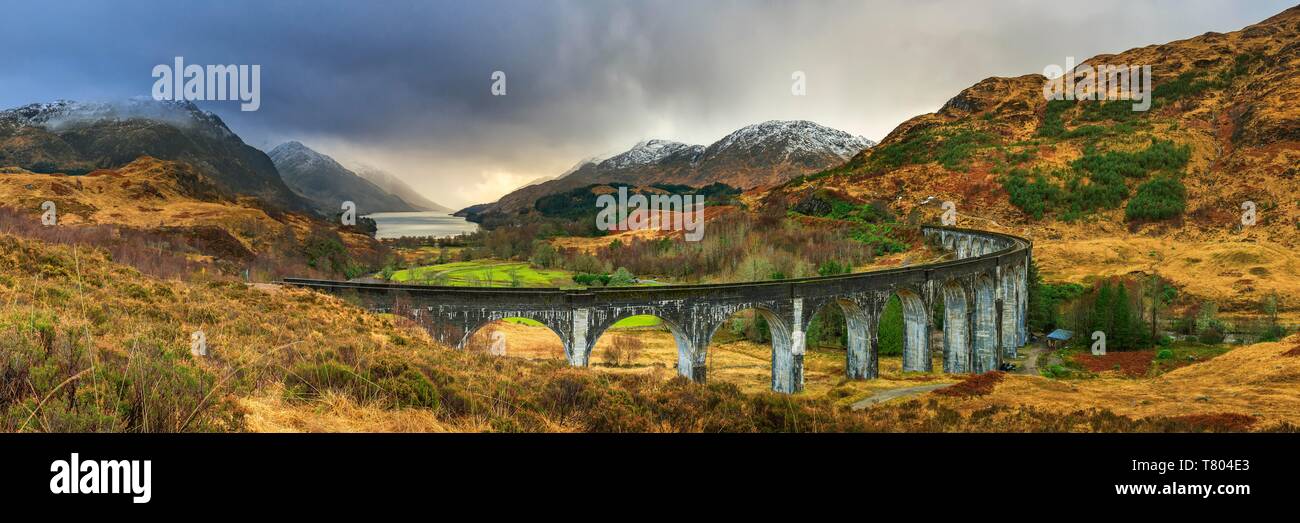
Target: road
<point x="1030" y="364"/>
<point x="897" y="393"/>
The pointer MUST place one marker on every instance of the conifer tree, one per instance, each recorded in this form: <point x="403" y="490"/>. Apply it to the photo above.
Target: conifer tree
<point x="1121" y="320"/>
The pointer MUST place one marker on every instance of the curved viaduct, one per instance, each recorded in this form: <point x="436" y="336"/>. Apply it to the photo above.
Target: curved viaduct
<point x="984" y="292"/>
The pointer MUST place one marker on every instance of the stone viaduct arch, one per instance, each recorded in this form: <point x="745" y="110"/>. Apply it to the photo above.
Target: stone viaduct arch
<point x="983" y="291"/>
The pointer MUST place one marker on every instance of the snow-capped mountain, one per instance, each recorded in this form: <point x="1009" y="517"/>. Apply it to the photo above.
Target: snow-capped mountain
<point x="78" y="137"/>
<point x="63" y="114"/>
<point x="793" y="138"/>
<point x="762" y="154"/>
<point x="651" y="152"/>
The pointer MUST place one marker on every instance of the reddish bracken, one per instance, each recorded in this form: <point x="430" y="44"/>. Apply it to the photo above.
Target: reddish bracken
<point x="1294" y="352"/>
<point x="1129" y="363"/>
<point x="1220" y="422"/>
<point x="977" y="385"/>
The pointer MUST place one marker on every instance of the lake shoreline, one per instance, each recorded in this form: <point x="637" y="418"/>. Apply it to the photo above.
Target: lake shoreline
<point x="392" y="225"/>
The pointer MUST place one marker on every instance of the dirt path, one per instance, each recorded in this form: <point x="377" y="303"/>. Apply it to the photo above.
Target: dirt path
<point x="1032" y="352"/>
<point x="897" y="393"/>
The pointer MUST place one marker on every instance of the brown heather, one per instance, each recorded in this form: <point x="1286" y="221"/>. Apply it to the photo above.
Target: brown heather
<point x="91" y="345"/>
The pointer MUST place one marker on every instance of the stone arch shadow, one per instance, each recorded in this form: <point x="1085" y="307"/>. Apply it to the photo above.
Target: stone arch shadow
<point x="686" y="347"/>
<point x="786" y="357"/>
<point x="542" y="318"/>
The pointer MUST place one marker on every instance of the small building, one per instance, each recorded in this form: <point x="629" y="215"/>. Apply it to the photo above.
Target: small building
<point x="1058" y="338"/>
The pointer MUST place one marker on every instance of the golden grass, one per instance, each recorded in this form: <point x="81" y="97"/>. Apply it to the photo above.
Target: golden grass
<point x="1235" y="274"/>
<point x="744" y="364"/>
<point x="1254" y="380"/>
<point x="259" y="334"/>
<point x="147" y="194"/>
<point x="268" y="412"/>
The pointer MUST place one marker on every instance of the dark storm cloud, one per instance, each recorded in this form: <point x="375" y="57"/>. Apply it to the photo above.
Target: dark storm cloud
<point x="405" y="85"/>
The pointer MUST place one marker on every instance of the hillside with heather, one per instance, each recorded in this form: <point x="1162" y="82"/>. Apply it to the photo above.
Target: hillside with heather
<point x="1104" y="190"/>
<point x="79" y="137"/>
<point x="170" y="230"/>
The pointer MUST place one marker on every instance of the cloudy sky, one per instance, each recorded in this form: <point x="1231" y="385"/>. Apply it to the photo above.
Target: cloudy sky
<point x="405" y="86"/>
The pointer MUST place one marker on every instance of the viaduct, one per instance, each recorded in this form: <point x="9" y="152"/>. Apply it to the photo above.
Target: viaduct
<point x="983" y="290"/>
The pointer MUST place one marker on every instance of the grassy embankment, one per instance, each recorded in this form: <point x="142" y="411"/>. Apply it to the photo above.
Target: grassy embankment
<point x="90" y="345"/>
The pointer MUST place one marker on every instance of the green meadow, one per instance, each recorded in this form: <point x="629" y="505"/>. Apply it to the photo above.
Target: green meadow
<point x="485" y="273"/>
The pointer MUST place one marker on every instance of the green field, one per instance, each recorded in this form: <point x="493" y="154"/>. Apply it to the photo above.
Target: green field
<point x="485" y="273"/>
<point x="494" y="273"/>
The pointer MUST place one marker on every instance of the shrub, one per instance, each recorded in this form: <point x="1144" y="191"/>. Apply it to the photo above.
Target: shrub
<point x="622" y="350"/>
<point x="1097" y="181"/>
<point x="910" y="150"/>
<point x="1033" y="197"/>
<point x="545" y="255"/>
<point x="591" y="280"/>
<point x="1164" y="354"/>
<point x="1273" y="333"/>
<point x="957" y="148"/>
<point x="409" y="388"/>
<point x="1158" y="199"/>
<point x="879" y="238"/>
<point x="621" y="277"/>
<point x="1211" y="335"/>
<point x="1053" y="126"/>
<point x="1190" y="84"/>
<point x="397" y="384"/>
<point x="1117" y="110"/>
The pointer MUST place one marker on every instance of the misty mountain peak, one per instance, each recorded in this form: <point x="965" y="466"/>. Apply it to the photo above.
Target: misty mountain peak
<point x="794" y="137"/>
<point x="65" y="114"/>
<point x="649" y="152"/>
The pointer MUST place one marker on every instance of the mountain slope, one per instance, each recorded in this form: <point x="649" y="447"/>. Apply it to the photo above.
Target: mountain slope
<point x="757" y="155"/>
<point x="327" y="184"/>
<point x="1227" y="97"/>
<point x="396" y="187"/>
<point x="76" y="138"/>
<point x="176" y="201"/>
<point x="1088" y="180"/>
